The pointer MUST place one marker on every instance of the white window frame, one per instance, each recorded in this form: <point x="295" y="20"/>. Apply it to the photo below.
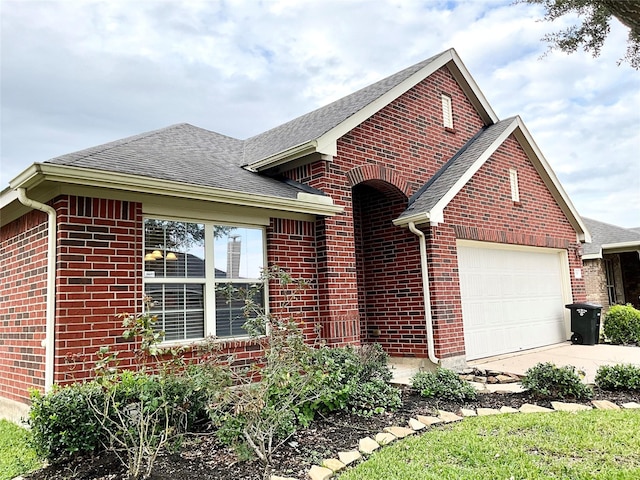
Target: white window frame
<point x="447" y="111"/>
<point x="515" y="189"/>
<point x="209" y="281"/>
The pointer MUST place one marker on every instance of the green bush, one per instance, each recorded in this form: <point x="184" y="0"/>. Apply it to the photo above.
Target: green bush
<point x="443" y="384"/>
<point x="355" y="379"/>
<point x="622" y="325"/>
<point x="618" y="377"/>
<point x="374" y="397"/>
<point x="546" y="380"/>
<point x="61" y="422"/>
<point x="65" y="421"/>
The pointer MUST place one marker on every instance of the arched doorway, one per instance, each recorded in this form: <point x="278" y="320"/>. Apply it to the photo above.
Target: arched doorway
<point x="390" y="299"/>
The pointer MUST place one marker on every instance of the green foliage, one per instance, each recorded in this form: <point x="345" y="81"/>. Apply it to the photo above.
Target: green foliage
<point x="374" y="397"/>
<point x="354" y="379"/>
<point x="594" y="25"/>
<point x="546" y="380"/>
<point x="16" y="457"/>
<point x="61" y="423"/>
<point x="618" y="377"/>
<point x="622" y="325"/>
<point x="443" y="384"/>
<point x="296" y="379"/>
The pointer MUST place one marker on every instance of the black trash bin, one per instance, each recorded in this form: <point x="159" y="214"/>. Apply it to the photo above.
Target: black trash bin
<point x="585" y="323"/>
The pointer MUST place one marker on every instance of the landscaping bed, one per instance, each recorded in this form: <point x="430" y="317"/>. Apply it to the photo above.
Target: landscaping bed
<point x="204" y="457"/>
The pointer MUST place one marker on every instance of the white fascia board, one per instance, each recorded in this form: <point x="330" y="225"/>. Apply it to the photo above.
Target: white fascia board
<point x="621" y="247"/>
<point x="327" y="142"/>
<point x="551" y="180"/>
<point x="592" y="256"/>
<point x="37" y="173"/>
<point x="331" y="137"/>
<point x="418" y="219"/>
<point x="286" y="156"/>
<point x="471" y="88"/>
<point x="438" y="209"/>
<point x="7" y="196"/>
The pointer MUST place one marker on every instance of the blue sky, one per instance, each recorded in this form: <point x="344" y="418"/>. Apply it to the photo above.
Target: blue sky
<point x="80" y="73"/>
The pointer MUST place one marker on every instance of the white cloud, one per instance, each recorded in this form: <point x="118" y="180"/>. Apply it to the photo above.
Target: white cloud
<point x="80" y="73"/>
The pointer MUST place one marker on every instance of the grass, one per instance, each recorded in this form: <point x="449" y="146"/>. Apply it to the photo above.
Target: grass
<point x="587" y="445"/>
<point x="16" y="458"/>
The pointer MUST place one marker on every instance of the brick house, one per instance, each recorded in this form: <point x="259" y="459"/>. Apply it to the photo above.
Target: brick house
<point x="425" y="223"/>
<point x="612" y="265"/>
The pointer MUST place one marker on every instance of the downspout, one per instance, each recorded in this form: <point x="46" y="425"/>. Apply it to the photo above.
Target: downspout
<point x="425" y="290"/>
<point x="49" y="341"/>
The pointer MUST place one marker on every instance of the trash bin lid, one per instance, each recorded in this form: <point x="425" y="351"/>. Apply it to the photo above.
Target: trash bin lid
<point x="588" y="306"/>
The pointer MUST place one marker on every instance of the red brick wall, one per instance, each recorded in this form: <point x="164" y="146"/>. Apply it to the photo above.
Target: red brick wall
<point x="99" y="275"/>
<point x="291" y="245"/>
<point x="404" y="145"/>
<point x="483" y="210"/>
<point x="23" y="285"/>
<point x="389" y="280"/>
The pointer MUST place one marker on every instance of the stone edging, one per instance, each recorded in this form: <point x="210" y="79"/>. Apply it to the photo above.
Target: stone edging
<point x="368" y="445"/>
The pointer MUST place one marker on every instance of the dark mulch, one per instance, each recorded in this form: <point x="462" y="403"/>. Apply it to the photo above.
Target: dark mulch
<point x="204" y="457"/>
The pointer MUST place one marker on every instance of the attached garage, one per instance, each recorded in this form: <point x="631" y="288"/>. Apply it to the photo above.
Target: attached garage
<point x="513" y="297"/>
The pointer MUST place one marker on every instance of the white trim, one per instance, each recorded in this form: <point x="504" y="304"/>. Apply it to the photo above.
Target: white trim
<point x="327" y="142"/>
<point x="513" y="180"/>
<point x="438" y="209"/>
<point x="522" y="135"/>
<point x="551" y="180"/>
<point x="447" y="111"/>
<point x="38" y="173"/>
<point x="209" y="281"/>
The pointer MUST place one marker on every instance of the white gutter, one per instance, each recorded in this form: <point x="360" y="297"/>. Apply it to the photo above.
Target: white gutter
<point x="49" y="341"/>
<point x="425" y="290"/>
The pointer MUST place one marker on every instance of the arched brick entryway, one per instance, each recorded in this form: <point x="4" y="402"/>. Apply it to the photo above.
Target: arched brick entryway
<point x="390" y="299"/>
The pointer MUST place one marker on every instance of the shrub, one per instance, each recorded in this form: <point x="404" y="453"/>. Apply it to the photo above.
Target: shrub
<point x="61" y="423"/>
<point x="374" y="397"/>
<point x="622" y="325"/>
<point x="618" y="377"/>
<point x="443" y="384"/>
<point x="546" y="380"/>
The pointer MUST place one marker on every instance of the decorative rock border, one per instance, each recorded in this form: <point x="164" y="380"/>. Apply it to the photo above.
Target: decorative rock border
<point x="368" y="445"/>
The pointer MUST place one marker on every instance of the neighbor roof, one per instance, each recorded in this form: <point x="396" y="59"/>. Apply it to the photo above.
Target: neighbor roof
<point x="606" y="237"/>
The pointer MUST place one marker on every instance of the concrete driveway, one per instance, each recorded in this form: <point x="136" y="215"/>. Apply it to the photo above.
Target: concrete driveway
<point x="584" y="357"/>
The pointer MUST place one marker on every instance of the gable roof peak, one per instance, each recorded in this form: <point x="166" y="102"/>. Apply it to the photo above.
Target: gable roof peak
<point x="318" y="131"/>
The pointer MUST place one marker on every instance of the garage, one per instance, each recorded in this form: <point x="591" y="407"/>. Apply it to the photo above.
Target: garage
<point x="512" y="297"/>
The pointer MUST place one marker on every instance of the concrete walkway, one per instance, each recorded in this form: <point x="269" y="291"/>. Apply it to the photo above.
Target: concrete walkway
<point x="584" y="357"/>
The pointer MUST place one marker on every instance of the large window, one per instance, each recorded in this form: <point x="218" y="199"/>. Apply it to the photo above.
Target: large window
<point x="186" y="266"/>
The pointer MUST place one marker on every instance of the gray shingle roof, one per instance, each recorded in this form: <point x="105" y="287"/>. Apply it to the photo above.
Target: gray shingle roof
<point x="188" y="154"/>
<point x="312" y="125"/>
<point x="606" y="234"/>
<point x="180" y="153"/>
<point x="436" y="188"/>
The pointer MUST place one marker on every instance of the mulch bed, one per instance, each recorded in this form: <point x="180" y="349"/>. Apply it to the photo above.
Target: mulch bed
<point x="204" y="457"/>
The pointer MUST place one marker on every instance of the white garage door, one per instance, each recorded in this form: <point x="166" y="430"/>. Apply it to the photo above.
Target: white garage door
<point x="512" y="298"/>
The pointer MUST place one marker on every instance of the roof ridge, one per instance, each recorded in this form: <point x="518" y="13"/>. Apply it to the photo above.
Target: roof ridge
<point x="120" y="142"/>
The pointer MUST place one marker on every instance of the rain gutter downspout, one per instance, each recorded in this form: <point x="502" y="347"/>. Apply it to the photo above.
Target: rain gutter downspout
<point x="49" y="341"/>
<point x="425" y="290"/>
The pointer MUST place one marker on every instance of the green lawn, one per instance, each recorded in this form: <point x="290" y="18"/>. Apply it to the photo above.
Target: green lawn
<point x="586" y="445"/>
<point x="16" y="457"/>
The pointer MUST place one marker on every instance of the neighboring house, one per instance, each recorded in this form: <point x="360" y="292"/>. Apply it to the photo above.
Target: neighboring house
<point x="612" y="265"/>
<point x="423" y="221"/>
